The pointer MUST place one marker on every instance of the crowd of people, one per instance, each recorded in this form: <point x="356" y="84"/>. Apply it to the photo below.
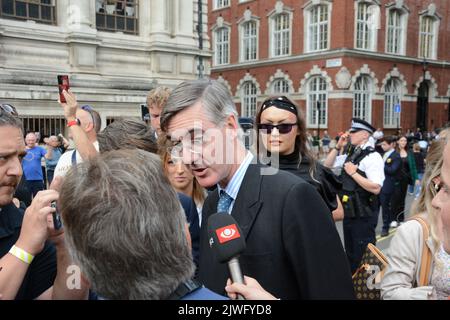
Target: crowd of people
<point x="141" y="195"/>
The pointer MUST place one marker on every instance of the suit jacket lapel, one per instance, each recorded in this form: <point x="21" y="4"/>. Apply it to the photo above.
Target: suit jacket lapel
<point x="248" y="202"/>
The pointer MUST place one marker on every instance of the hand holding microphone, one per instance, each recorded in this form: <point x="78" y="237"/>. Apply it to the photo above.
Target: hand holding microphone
<point x="225" y="239"/>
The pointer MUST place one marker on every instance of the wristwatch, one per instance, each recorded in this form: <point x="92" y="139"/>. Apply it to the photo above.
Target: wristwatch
<point x="75" y="122"/>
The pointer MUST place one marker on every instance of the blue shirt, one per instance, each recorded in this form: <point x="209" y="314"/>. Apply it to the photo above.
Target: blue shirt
<point x="31" y="164"/>
<point x="232" y="188"/>
<point x="203" y="294"/>
<point x="51" y="163"/>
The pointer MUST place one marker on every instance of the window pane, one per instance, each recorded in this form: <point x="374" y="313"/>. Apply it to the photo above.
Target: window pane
<point x="33" y="11"/>
<point x="131" y="24"/>
<point x="46" y="12"/>
<point x="120" y="23"/>
<point x="317" y="100"/>
<point x="392" y="97"/>
<point x="8" y="7"/>
<point x="249" y="99"/>
<point x="318" y="28"/>
<point x="21" y="9"/>
<point x="110" y="22"/>
<point x="100" y="20"/>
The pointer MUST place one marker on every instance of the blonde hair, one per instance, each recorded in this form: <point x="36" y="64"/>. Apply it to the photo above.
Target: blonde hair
<point x="158" y="96"/>
<point x="423" y="205"/>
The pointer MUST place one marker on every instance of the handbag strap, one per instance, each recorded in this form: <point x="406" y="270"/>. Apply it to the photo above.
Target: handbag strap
<point x="425" y="263"/>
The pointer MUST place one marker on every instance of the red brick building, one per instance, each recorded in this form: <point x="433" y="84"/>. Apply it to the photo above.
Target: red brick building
<point x="364" y="58"/>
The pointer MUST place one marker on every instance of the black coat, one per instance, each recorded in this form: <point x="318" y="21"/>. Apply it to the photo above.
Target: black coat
<point x="293" y="248"/>
<point x="325" y="181"/>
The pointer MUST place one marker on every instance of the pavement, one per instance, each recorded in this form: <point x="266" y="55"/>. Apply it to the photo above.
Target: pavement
<point x="382" y="242"/>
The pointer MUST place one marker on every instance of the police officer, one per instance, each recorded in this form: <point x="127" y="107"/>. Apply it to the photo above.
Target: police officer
<point x="362" y="177"/>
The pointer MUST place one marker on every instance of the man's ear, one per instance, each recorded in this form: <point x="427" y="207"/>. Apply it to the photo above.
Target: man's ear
<point x="232" y="125"/>
<point x="232" y="122"/>
<point x="89" y="127"/>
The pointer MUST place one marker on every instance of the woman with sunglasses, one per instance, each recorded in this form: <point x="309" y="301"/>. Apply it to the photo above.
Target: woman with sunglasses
<point x="282" y="131"/>
<point x="401" y="280"/>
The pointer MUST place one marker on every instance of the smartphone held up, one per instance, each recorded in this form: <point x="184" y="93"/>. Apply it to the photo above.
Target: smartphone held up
<point x="63" y="84"/>
<point x="57" y="222"/>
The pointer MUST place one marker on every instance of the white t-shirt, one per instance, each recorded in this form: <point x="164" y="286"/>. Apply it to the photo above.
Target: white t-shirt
<point x="65" y="162"/>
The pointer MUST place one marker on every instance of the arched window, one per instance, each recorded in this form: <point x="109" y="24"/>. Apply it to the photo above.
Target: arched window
<point x="248" y="99"/>
<point x="362" y="102"/>
<point x="317" y="101"/>
<point x="392" y="97"/>
<point x="280" y="86"/>
<point x="221" y="3"/>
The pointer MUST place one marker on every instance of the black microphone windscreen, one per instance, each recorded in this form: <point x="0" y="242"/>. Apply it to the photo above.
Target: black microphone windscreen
<point x="225" y="237"/>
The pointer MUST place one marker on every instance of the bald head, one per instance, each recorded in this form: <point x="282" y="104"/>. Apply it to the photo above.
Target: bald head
<point x="30" y="140"/>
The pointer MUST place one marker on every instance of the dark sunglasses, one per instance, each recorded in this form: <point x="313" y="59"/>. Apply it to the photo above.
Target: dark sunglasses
<point x="7" y="108"/>
<point x="282" y="128"/>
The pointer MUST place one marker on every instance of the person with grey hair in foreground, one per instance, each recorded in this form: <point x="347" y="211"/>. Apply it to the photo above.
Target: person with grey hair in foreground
<point x="125" y="227"/>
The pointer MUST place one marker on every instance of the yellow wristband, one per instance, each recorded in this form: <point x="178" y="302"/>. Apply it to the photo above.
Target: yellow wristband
<point x="21" y="254"/>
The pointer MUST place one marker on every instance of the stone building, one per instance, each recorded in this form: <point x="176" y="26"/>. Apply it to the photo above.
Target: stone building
<point x="113" y="51"/>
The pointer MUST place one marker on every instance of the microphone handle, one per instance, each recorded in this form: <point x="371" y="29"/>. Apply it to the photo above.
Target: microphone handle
<point x="236" y="274"/>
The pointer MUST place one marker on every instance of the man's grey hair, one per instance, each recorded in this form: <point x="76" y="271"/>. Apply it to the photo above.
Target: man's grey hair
<point x="215" y="97"/>
<point x="125" y="227"/>
<point x="7" y="119"/>
<point x="127" y="133"/>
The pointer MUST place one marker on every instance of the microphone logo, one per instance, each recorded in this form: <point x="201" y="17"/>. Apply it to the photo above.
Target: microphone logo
<point x="227" y="233"/>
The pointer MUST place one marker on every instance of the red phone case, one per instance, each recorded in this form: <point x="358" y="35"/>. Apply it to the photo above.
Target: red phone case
<point x="63" y="84"/>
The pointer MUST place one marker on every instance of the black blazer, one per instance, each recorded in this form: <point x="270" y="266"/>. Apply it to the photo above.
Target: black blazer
<point x="293" y="248"/>
<point x="392" y="167"/>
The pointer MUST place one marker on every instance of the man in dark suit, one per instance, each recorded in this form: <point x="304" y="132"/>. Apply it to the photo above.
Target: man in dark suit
<point x="293" y="248"/>
<point x="392" y="165"/>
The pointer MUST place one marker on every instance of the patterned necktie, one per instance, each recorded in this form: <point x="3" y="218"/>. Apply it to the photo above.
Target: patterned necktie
<point x="224" y="202"/>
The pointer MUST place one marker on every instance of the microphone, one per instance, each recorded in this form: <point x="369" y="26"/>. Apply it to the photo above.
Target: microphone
<point x="226" y="241"/>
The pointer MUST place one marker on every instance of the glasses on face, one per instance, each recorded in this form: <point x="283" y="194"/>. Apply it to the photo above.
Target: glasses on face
<point x="7" y="108"/>
<point x="176" y="151"/>
<point x="283" y="128"/>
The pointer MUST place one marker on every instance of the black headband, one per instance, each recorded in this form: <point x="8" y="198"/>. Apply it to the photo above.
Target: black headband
<point x="281" y="103"/>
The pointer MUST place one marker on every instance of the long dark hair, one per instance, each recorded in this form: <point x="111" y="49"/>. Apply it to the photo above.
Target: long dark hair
<point x="301" y="140"/>
<point x="397" y="147"/>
